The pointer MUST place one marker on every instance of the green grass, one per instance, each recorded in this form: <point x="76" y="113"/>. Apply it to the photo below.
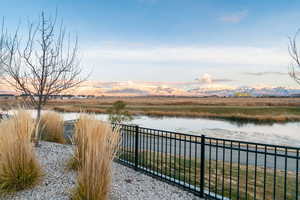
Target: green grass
<point x="179" y="168"/>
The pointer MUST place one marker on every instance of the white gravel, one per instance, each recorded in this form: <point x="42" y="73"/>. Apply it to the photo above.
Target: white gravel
<point x="127" y="184"/>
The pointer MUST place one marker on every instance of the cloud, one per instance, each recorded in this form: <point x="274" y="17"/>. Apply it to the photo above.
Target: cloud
<point x="170" y="83"/>
<point x="265" y="73"/>
<point x="235" y="17"/>
<point x="127" y="91"/>
<point x="208" y="79"/>
<point x="184" y="55"/>
<point x="144" y="84"/>
<point x="167" y="90"/>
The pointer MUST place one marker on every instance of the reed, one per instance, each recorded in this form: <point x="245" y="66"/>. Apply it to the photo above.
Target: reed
<point x="97" y="145"/>
<point x="52" y="127"/>
<point x="261" y="115"/>
<point x="19" y="168"/>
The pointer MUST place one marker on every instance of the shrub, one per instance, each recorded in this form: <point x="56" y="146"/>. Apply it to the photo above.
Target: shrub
<point x="96" y="147"/>
<point x="118" y="113"/>
<point x="19" y="168"/>
<point x="52" y="127"/>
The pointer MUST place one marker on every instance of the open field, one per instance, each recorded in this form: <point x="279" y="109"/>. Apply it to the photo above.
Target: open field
<point x="264" y="110"/>
<point x="213" y="101"/>
<point x="260" y="110"/>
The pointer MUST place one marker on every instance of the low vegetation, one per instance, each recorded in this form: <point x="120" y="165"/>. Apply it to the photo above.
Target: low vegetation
<point x="255" y="110"/>
<point x="118" y="113"/>
<point x="52" y="127"/>
<point x="19" y="168"/>
<point x="167" y="101"/>
<point x="254" y="114"/>
<point x="96" y="146"/>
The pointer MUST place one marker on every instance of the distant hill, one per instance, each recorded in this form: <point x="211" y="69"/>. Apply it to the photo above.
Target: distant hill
<point x="131" y="88"/>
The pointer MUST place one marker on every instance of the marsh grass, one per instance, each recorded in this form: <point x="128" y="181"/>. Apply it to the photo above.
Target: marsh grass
<point x="19" y="168"/>
<point x="52" y="127"/>
<point x="96" y="147"/>
<point x="242" y="113"/>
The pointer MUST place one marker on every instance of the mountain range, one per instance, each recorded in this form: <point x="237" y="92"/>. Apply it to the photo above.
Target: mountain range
<point x="140" y="88"/>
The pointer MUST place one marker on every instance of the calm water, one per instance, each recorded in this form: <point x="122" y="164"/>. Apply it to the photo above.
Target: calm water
<point x="283" y="134"/>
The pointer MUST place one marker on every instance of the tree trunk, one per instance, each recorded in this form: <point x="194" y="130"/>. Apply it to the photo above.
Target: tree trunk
<point x="37" y="126"/>
<point x="38" y="114"/>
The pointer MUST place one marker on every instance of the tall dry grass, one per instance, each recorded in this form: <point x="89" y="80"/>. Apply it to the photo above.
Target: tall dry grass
<point x="19" y="168"/>
<point x="52" y="127"/>
<point x="96" y="144"/>
<point x="158" y="101"/>
<point x="79" y="140"/>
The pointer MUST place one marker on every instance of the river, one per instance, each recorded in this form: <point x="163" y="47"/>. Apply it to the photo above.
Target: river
<point x="277" y="133"/>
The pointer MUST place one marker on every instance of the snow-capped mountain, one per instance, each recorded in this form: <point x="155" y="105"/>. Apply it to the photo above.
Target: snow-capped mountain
<point x="248" y="91"/>
<point x="139" y="88"/>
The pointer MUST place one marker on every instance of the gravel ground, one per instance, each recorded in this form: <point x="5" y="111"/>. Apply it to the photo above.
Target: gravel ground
<point x="127" y="183"/>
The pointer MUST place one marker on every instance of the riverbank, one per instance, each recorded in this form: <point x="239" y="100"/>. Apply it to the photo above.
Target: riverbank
<point x="265" y="114"/>
<point x="241" y="110"/>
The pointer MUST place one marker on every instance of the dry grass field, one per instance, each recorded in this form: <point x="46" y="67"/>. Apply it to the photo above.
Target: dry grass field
<point x="260" y="110"/>
<point x="209" y="101"/>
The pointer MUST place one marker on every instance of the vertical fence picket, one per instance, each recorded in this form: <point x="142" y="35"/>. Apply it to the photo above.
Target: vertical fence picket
<point x="202" y="162"/>
<point x="274" y="177"/>
<point x="285" y="174"/>
<point x="136" y="153"/>
<point x="297" y="175"/>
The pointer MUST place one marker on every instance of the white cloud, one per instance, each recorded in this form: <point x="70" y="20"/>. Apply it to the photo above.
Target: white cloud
<point x="217" y="55"/>
<point x="206" y="78"/>
<point x="234" y="17"/>
<point x="209" y="79"/>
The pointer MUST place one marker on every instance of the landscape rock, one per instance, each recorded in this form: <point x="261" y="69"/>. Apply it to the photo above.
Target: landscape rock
<point x="127" y="183"/>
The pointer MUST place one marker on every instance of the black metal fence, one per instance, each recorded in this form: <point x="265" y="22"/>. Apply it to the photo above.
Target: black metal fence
<point x="212" y="167"/>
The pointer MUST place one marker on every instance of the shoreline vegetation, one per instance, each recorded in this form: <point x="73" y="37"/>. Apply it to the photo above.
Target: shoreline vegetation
<point x="235" y="117"/>
<point x="240" y="110"/>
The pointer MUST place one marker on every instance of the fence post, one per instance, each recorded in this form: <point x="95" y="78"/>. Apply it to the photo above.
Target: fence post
<point x="136" y="151"/>
<point x="202" y="166"/>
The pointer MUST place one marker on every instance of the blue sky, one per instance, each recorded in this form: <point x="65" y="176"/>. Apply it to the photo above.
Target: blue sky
<point x="243" y="42"/>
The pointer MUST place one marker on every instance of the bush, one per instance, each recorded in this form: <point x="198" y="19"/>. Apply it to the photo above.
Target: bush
<point x="118" y="113"/>
<point x="19" y="168"/>
<point x="96" y="145"/>
<point x="52" y="127"/>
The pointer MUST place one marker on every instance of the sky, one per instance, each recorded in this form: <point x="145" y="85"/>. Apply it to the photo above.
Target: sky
<point x="175" y="42"/>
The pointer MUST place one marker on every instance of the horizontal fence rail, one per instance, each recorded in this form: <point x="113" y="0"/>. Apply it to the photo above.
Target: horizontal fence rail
<point x="210" y="167"/>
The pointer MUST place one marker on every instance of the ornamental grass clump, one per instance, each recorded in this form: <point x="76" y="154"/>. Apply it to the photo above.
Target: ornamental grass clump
<point x="96" y="144"/>
<point x="19" y="168"/>
<point x="52" y="127"/>
<point x="79" y="141"/>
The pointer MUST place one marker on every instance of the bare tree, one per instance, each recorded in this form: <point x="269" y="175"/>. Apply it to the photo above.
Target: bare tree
<point x="45" y="64"/>
<point x="294" y="53"/>
<point x="2" y="46"/>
